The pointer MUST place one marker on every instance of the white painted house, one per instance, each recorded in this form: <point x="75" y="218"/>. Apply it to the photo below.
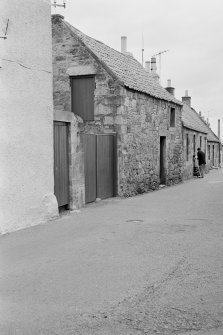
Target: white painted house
<point x="26" y="115"/>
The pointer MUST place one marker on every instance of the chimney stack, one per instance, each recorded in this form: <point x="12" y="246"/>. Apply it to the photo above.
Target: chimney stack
<point x="124" y="44"/>
<point x="219" y="128"/>
<point x="147" y="66"/>
<point x="153" y="65"/>
<point x="154" y="68"/>
<point x="169" y="88"/>
<point x="186" y="99"/>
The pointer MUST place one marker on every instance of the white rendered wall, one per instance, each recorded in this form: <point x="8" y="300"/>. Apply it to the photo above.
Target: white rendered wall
<point x="26" y="115"/>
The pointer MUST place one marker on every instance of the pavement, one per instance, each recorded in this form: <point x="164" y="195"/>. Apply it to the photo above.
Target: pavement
<point x="151" y="264"/>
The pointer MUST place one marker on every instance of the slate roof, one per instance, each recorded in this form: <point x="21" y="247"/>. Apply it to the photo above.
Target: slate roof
<point x="123" y="67"/>
<point x="211" y="136"/>
<point x="192" y="120"/>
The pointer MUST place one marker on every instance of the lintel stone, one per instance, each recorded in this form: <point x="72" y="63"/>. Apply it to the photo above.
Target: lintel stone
<point x="63" y="116"/>
<point x="81" y="70"/>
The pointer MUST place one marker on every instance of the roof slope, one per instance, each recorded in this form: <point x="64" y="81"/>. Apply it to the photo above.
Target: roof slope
<point x="211" y="135"/>
<point x="124" y="67"/>
<point x="192" y="120"/>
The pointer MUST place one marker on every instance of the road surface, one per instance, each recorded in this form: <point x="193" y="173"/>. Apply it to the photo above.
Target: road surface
<point x="151" y="264"/>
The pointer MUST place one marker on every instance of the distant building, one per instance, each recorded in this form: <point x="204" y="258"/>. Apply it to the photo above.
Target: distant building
<point x="214" y="147"/>
<point x="26" y="105"/>
<point x="196" y="133"/>
<point x="124" y="130"/>
<point x="206" y="139"/>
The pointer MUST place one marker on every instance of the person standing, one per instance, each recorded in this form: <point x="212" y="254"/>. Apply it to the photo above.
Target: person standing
<point x="201" y="161"/>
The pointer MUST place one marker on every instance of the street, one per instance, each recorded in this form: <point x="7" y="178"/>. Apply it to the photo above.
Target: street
<point x="150" y="264"/>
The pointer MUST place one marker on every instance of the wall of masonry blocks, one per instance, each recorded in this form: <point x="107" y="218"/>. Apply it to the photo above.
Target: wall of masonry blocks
<point x="138" y="120"/>
<point x="188" y="162"/>
<point x="214" y="160"/>
<point x="144" y="120"/>
<point x="69" y="53"/>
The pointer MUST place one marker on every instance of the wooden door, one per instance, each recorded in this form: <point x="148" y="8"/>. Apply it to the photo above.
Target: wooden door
<point x="99" y="153"/>
<point x="162" y="160"/>
<point x="61" y="163"/>
<point x="90" y="167"/>
<point x="105" y="166"/>
<point x="83" y="97"/>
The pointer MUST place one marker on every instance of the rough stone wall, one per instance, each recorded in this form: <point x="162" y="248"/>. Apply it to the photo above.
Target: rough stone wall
<point x="188" y="161"/>
<point x="70" y="56"/>
<point x="213" y="159"/>
<point x="26" y="105"/>
<point x="142" y="120"/>
<point x="138" y="120"/>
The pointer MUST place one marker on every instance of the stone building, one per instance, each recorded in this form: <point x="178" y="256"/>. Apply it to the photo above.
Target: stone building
<point x="26" y="127"/>
<point x="196" y="133"/>
<point x="124" y="134"/>
<point x="214" y="147"/>
<point x="206" y="140"/>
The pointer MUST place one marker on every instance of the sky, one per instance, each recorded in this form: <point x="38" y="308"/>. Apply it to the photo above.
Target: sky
<point x="191" y="31"/>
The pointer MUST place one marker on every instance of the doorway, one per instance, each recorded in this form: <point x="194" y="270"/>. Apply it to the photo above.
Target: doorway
<point x="61" y="164"/>
<point x="100" y="166"/>
<point x="162" y="159"/>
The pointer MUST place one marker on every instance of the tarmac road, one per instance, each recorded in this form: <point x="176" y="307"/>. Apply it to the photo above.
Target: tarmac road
<point x="152" y="264"/>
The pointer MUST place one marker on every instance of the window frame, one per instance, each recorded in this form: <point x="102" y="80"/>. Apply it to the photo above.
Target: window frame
<point x="172" y="117"/>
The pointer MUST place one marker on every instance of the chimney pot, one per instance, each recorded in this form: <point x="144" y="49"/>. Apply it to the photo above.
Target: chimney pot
<point x="147" y="66"/>
<point x="169" y="83"/>
<point x="186" y="99"/>
<point x="153" y="65"/>
<point x="123" y="44"/>
<point x="170" y="89"/>
<point x="153" y="69"/>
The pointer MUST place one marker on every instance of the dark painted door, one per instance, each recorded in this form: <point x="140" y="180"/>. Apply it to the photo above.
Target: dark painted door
<point x="99" y="166"/>
<point x="90" y="167"/>
<point x="105" y="166"/>
<point x="162" y="159"/>
<point x="61" y="165"/>
<point x="83" y="97"/>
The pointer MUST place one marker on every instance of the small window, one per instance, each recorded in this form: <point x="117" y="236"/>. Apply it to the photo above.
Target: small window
<point x="172" y="117"/>
<point x="209" y="152"/>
